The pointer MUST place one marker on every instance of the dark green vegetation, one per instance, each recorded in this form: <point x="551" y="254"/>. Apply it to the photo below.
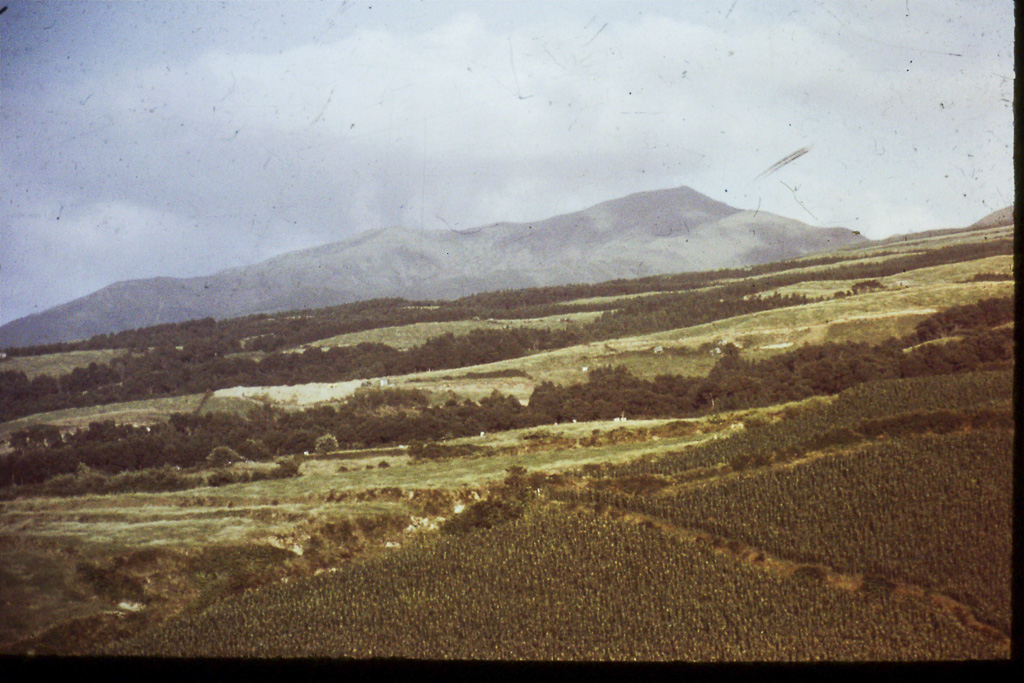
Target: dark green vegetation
<point x="564" y="585"/>
<point x="931" y="510"/>
<point x="41" y="453"/>
<point x="765" y="491"/>
<point x="870" y="410"/>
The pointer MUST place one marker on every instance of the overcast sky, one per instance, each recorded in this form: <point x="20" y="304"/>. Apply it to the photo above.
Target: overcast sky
<point x="146" y="139"/>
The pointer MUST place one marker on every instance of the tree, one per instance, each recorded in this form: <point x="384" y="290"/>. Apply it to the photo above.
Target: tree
<point x="222" y="455"/>
<point x="326" y="443"/>
<point x="255" y="449"/>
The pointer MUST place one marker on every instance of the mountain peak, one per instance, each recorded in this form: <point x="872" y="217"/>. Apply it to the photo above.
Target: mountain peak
<point x="646" y="233"/>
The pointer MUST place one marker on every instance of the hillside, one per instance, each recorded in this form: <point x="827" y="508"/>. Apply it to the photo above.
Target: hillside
<point x="666" y="231"/>
<point x="810" y="459"/>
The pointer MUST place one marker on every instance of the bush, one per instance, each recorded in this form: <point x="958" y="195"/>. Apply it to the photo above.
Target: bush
<point x="221" y="456"/>
<point x="484" y="515"/>
<point x="219" y="478"/>
<point x="287" y="467"/>
<point x="255" y="449"/>
<point x="326" y="443"/>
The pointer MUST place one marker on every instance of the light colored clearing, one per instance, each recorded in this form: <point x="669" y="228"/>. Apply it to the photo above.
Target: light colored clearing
<point x="937" y="241"/>
<point x="297" y="395"/>
<point x="473" y="388"/>
<point x="56" y="364"/>
<point x="409" y="336"/>
<point x="794" y="323"/>
<point x="568" y="430"/>
<point x="952" y="272"/>
<point x="946" y="274"/>
<point x="615" y="298"/>
<point x="151" y="411"/>
<point x="149" y="533"/>
<point x="781" y="345"/>
<point x="182" y="525"/>
<point x="477" y="471"/>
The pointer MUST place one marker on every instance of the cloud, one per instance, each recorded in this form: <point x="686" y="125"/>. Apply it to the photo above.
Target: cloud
<point x="233" y="148"/>
<point x="68" y="242"/>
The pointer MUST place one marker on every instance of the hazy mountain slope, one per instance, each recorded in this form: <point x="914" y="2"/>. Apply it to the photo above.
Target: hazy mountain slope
<point x="1004" y="216"/>
<point x="665" y="231"/>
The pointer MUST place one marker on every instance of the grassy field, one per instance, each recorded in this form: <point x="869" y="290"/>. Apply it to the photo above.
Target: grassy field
<point x="150" y="411"/>
<point x="56" y="364"/>
<point x="409" y="336"/>
<point x="810" y="323"/>
<point x="870" y="318"/>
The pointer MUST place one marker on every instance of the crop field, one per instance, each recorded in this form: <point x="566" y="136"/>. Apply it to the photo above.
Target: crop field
<point x="559" y="585"/>
<point x="946" y="523"/>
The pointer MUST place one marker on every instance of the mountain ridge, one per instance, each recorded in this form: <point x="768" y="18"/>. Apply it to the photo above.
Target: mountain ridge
<point x="646" y="233"/>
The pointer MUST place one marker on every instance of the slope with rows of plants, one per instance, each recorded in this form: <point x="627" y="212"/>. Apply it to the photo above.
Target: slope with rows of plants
<point x="555" y="585"/>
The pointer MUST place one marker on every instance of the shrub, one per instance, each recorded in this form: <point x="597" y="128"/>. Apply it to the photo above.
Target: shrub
<point x="484" y="515"/>
<point x="326" y="443"/>
<point x="287" y="467"/>
<point x="220" y="478"/>
<point x="221" y="456"/>
<point x="255" y="449"/>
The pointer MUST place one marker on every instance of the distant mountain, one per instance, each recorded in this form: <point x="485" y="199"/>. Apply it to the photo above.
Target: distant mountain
<point x="1004" y="216"/>
<point x="649" y="233"/>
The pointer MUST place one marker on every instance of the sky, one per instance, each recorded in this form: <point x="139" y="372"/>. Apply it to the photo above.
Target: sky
<point x="145" y="139"/>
